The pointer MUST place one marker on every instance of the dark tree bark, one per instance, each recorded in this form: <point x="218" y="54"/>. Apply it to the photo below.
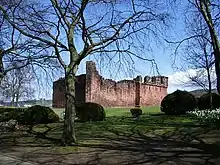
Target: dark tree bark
<point x="68" y="136"/>
<point x="1" y="66"/>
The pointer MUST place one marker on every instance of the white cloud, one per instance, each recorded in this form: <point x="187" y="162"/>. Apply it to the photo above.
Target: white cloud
<point x="179" y="80"/>
<point x="181" y="77"/>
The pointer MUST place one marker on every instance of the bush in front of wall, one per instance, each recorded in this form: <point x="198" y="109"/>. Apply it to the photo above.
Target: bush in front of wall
<point x="38" y="114"/>
<point x="136" y="112"/>
<point x="90" y="112"/>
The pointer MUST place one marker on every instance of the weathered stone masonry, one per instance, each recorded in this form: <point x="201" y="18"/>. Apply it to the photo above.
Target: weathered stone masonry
<point x="91" y="87"/>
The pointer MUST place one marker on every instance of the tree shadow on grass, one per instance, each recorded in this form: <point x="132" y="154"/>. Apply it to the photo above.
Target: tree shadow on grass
<point x="142" y="149"/>
<point x="126" y="141"/>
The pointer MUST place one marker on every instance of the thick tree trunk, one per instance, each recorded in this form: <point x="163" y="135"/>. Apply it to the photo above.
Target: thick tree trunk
<point x="68" y="136"/>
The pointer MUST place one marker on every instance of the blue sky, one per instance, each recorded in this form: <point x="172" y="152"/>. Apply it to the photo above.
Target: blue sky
<point x="162" y="53"/>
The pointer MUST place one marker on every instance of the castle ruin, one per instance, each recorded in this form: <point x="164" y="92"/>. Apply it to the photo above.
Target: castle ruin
<point x="91" y="87"/>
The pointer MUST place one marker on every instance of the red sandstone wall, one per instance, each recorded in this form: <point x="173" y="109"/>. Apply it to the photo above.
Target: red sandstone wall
<point x="80" y="89"/>
<point x="151" y="95"/>
<point x="124" y="93"/>
<point x="111" y="94"/>
<point x="93" y="88"/>
<point x="59" y="91"/>
<point x="108" y="93"/>
<point x="58" y="94"/>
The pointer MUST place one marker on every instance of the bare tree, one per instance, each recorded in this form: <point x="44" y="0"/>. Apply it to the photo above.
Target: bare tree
<point x="208" y="12"/>
<point x="18" y="84"/>
<point x="11" y="47"/>
<point x="74" y="30"/>
<point x="198" y="55"/>
<point x="18" y="48"/>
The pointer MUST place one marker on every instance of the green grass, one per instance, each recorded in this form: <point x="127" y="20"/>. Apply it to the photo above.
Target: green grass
<point x="58" y="111"/>
<point x="126" y="111"/>
<point x="119" y="124"/>
<point x="8" y="109"/>
<point x="118" y="111"/>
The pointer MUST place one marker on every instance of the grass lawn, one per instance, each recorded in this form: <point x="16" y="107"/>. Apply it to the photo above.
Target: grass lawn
<point x="125" y="111"/>
<point x="119" y="122"/>
<point x="118" y="111"/>
<point x="152" y="134"/>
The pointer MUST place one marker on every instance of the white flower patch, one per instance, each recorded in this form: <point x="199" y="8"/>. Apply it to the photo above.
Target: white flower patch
<point x="207" y="115"/>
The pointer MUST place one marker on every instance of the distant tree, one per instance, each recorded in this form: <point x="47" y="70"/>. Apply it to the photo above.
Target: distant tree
<point x="202" y="63"/>
<point x="18" y="48"/>
<point x="203" y="15"/>
<point x="198" y="56"/>
<point x="18" y="84"/>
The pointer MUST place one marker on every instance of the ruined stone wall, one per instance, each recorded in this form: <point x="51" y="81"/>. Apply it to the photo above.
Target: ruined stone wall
<point x="91" y="87"/>
<point x="125" y="93"/>
<point x="107" y="92"/>
<point x="80" y="89"/>
<point x="153" y="90"/>
<point x="59" y="91"/>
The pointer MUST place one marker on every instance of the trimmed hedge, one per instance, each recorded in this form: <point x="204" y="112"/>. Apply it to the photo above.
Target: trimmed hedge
<point x="204" y="101"/>
<point x="40" y="115"/>
<point x="178" y="102"/>
<point x="9" y="109"/>
<point x="11" y="113"/>
<point x="33" y="115"/>
<point x="136" y="112"/>
<point x="6" y="116"/>
<point x="90" y="112"/>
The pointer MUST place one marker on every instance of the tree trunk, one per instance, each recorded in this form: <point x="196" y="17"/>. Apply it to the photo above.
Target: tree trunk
<point x="205" y="10"/>
<point x="16" y="99"/>
<point x="1" y="66"/>
<point x="210" y="98"/>
<point x="210" y="91"/>
<point x="17" y="95"/>
<point x="68" y="136"/>
<point x="13" y="101"/>
<point x="217" y="71"/>
<point x="209" y="78"/>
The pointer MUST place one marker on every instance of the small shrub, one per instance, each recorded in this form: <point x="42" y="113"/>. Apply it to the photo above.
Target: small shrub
<point x="4" y="117"/>
<point x="178" y="102"/>
<point x="11" y="113"/>
<point x="39" y="115"/>
<point x="5" y="109"/>
<point x="204" y="101"/>
<point x="90" y="112"/>
<point x="136" y="112"/>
